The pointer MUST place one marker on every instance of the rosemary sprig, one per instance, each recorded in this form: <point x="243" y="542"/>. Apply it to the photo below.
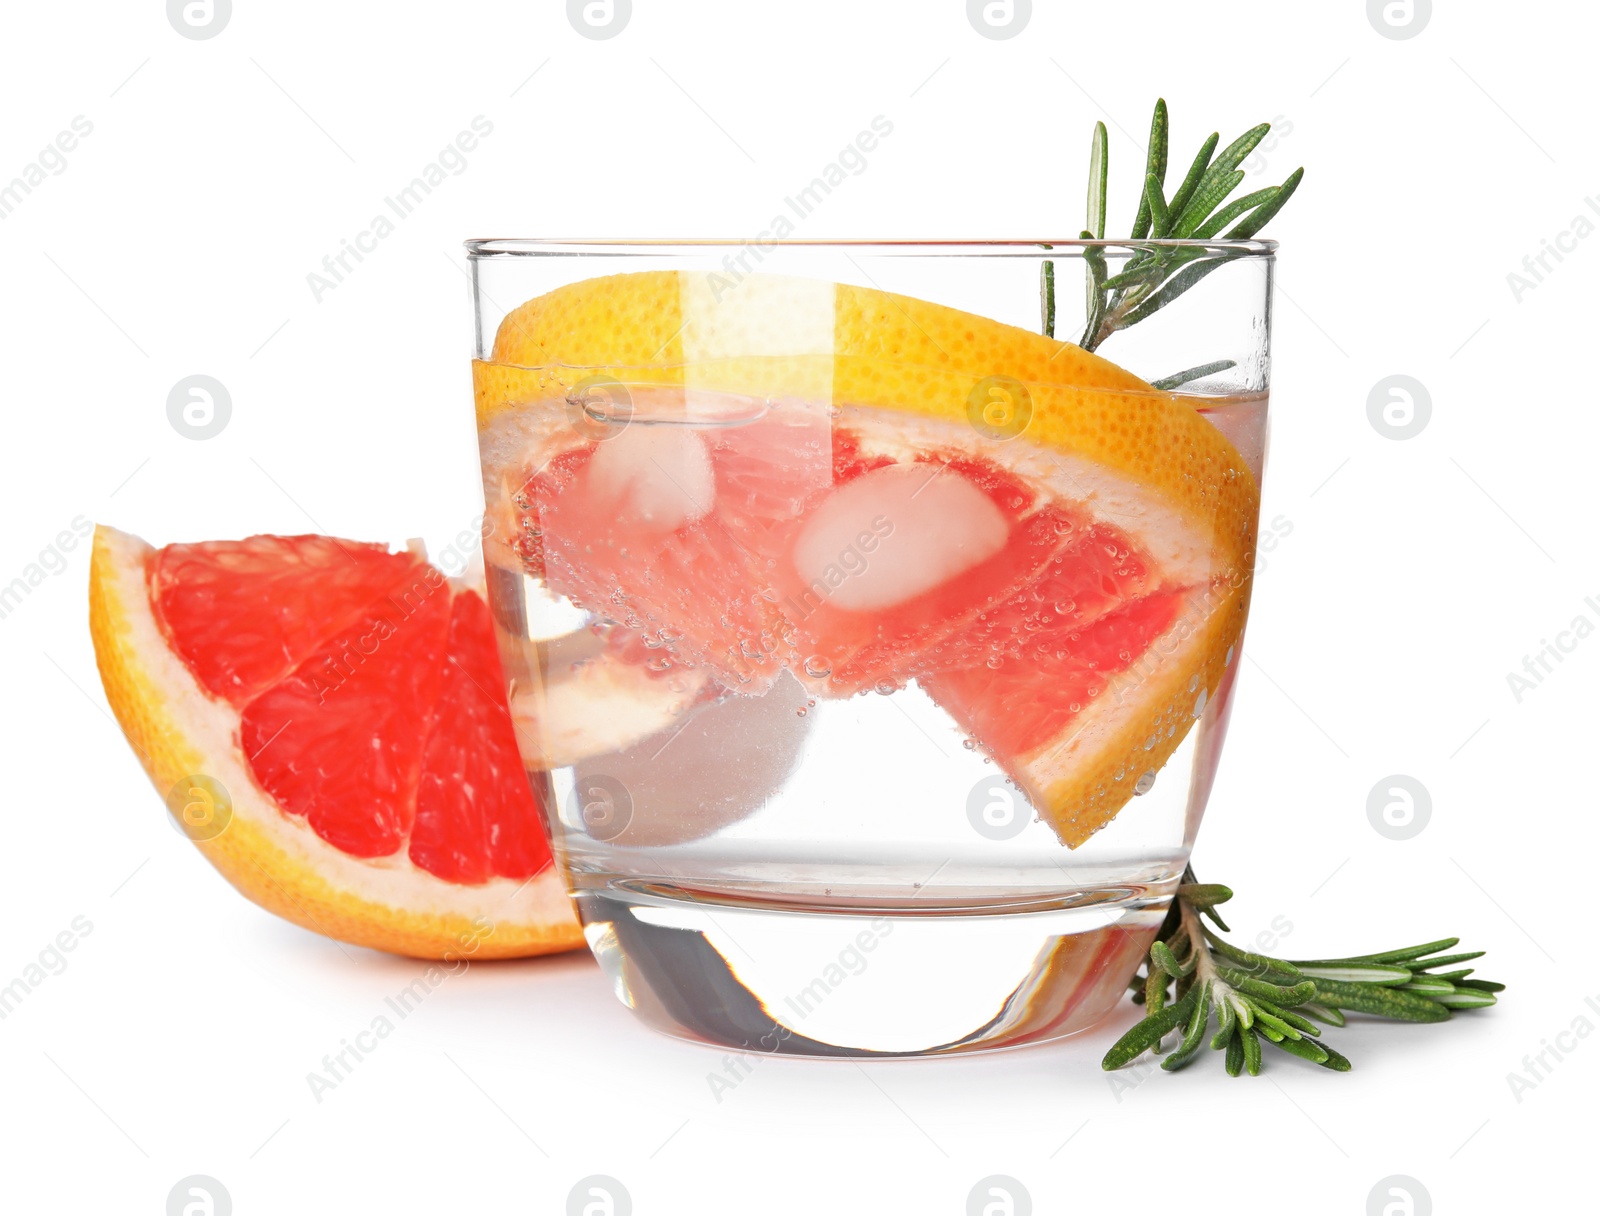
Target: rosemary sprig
<point x="1198" y="210"/>
<point x="1256" y="997"/>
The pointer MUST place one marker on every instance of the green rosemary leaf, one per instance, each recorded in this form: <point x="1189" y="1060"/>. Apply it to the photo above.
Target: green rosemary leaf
<point x="1385" y="1002"/>
<point x="1187" y="375"/>
<point x="1205" y="200"/>
<point x="1257" y="220"/>
<point x="1155" y="989"/>
<point x="1243" y="1010"/>
<point x="1428" y="985"/>
<point x="1194" y="1035"/>
<point x="1099" y="153"/>
<point x="1252" y="1051"/>
<point x="1482" y="985"/>
<point x="1155" y="162"/>
<point x="1197" y="170"/>
<point x="1322" y="1013"/>
<point x="1234" y="1060"/>
<point x="1274" y="1026"/>
<point x="1127" y="278"/>
<point x="1297" y="994"/>
<point x="1047" y="298"/>
<point x="1271" y="1033"/>
<point x="1233" y="211"/>
<point x="1335" y="1061"/>
<point x="1199" y="265"/>
<point x="1142" y="1037"/>
<point x="1162" y="954"/>
<point x="1306" y="1050"/>
<point x="1204" y="894"/>
<point x="1432" y="964"/>
<point x="1210" y="191"/>
<point x="1290" y="1017"/>
<point x="1231" y="157"/>
<point x="1160" y="218"/>
<point x="1411" y="952"/>
<point x="1094" y="261"/>
<point x="1464" y="998"/>
<point x="1356" y="973"/>
<point x="1257" y="965"/>
<point x="1227" y="1019"/>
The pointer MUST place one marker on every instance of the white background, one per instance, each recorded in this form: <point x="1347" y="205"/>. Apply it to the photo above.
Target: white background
<point x="1417" y="574"/>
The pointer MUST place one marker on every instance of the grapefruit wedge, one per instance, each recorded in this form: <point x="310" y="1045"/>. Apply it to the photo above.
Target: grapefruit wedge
<point x="865" y="490"/>
<point x="328" y="721"/>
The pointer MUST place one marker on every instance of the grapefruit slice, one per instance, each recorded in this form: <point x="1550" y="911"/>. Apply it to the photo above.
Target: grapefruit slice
<point x="343" y="706"/>
<point x="816" y="483"/>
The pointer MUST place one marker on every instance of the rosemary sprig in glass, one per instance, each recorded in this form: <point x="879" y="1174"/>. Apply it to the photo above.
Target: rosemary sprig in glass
<point x="1155" y="276"/>
<point x="1193" y="974"/>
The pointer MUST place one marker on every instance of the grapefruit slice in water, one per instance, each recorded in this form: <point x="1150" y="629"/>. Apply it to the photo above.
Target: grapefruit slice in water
<point x="1069" y="585"/>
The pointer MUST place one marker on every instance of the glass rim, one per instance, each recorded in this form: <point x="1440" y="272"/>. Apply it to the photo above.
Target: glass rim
<point x="479" y="248"/>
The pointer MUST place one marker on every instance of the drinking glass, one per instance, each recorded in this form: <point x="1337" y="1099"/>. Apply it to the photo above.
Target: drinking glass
<point x="870" y="651"/>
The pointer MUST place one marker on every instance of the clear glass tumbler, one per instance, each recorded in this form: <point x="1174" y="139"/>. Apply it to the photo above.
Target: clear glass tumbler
<point x="870" y="651"/>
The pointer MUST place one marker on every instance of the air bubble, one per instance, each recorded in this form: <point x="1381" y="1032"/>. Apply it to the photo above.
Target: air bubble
<point x="1146" y="782"/>
<point x="818" y="668"/>
<point x="884" y="687"/>
<point x="1199" y="704"/>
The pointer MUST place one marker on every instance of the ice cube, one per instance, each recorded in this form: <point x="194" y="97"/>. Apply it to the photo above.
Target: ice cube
<point x="654" y="477"/>
<point x="895" y="533"/>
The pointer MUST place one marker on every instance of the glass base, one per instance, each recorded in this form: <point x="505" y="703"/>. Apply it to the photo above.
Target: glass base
<point x="851" y="980"/>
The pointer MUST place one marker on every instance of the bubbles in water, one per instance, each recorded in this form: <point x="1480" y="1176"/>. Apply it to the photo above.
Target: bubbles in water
<point x="818" y="668"/>
<point x="1194" y="683"/>
<point x="1200" y="703"/>
<point x="1065" y="607"/>
<point x="969" y="744"/>
<point x="801" y="712"/>
<point x="994" y="662"/>
<point x="1146" y="782"/>
<point x="884" y="687"/>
